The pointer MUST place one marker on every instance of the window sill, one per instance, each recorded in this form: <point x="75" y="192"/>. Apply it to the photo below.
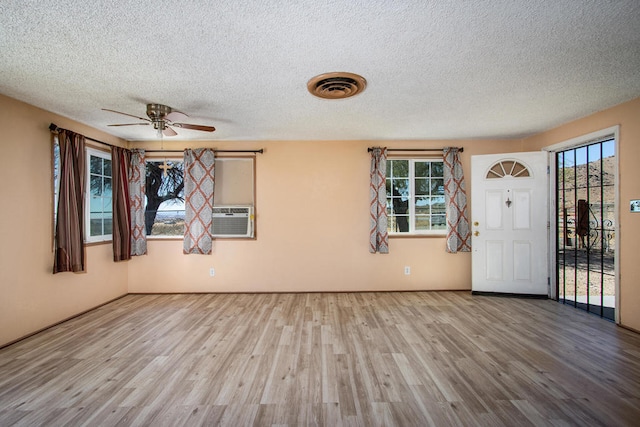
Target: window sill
<point x="165" y="238"/>
<point x="102" y="242"/>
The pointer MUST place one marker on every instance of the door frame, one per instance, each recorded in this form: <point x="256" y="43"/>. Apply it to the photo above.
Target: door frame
<point x="599" y="135"/>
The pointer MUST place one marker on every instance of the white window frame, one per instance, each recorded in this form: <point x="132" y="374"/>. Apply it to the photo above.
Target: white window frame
<point x="412" y="197"/>
<point x="88" y="238"/>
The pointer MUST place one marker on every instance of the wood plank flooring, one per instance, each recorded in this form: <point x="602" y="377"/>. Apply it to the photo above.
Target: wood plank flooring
<point x="350" y="359"/>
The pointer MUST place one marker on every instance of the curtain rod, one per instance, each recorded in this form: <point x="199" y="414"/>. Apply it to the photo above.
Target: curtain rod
<point x="54" y="128"/>
<point x="460" y="149"/>
<point x="217" y="151"/>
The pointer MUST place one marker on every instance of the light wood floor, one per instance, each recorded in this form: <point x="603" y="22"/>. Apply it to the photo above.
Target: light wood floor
<point x="370" y="359"/>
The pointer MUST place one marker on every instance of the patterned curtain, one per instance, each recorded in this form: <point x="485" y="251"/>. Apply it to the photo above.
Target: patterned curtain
<point x="198" y="190"/>
<point x="378" y="235"/>
<point x="120" y="158"/>
<point x="137" y="185"/>
<point x="458" y="232"/>
<point x="69" y="233"/>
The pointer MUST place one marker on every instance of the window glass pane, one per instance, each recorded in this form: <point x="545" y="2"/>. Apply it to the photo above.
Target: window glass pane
<point x="108" y="225"/>
<point x="96" y="186"/>
<point x="437" y="206"/>
<point x="107" y="204"/>
<point x="400" y="188"/>
<point x="400" y="205"/>
<point x="107" y="167"/>
<point x="95" y="228"/>
<point x="398" y="168"/>
<point x="437" y="186"/>
<point x="436" y="169"/>
<point x="106" y="187"/>
<point x="422" y="186"/>
<point x="423" y="222"/>
<point x="95" y="165"/>
<point x="398" y="224"/>
<point x="95" y="205"/>
<point x="423" y="205"/>
<point x="422" y="169"/>
<point x="438" y="222"/>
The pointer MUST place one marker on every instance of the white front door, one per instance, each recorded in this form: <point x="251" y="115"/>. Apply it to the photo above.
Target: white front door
<point x="509" y="223"/>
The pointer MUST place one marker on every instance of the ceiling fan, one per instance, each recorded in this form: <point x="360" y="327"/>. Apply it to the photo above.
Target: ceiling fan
<point x="163" y="117"/>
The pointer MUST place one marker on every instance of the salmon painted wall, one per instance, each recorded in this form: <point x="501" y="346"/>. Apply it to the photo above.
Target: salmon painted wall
<point x="31" y="297"/>
<point x="312" y="207"/>
<point x="626" y="115"/>
<point x="312" y="225"/>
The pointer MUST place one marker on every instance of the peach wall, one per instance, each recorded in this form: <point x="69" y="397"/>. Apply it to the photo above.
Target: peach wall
<point x="31" y="297"/>
<point x="626" y="115"/>
<point x="312" y="226"/>
<point x="312" y="230"/>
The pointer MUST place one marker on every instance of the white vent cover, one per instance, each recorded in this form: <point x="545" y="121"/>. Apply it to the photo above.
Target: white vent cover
<point x="232" y="221"/>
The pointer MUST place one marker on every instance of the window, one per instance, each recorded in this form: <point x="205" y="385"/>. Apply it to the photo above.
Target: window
<point x="164" y="209"/>
<point x="164" y="203"/>
<point x="415" y="196"/>
<point x="56" y="178"/>
<point x="99" y="212"/>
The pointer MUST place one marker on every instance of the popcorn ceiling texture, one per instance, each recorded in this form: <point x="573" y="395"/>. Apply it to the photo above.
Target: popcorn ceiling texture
<point x="434" y="69"/>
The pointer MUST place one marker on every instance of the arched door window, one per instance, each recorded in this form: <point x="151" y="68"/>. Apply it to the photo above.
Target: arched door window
<point x="506" y="168"/>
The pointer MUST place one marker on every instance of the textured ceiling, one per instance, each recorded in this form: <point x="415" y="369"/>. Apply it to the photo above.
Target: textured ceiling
<point x="434" y="69"/>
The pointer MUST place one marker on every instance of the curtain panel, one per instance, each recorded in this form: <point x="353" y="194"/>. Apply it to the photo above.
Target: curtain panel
<point x="69" y="230"/>
<point x="137" y="188"/>
<point x="458" y="231"/>
<point x="378" y="235"/>
<point x="198" y="189"/>
<point x="120" y="159"/>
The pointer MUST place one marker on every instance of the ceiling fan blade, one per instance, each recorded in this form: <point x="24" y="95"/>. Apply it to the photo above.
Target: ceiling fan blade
<point x="167" y="131"/>
<point x="175" y="115"/>
<point x="130" y="124"/>
<point x="127" y="114"/>
<point x="195" y="127"/>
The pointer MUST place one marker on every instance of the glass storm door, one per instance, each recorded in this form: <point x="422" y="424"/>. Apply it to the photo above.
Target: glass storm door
<point x="585" y="227"/>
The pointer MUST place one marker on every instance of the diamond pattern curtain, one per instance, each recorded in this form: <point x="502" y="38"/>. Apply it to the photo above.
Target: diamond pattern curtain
<point x="69" y="233"/>
<point x="120" y="158"/>
<point x="378" y="235"/>
<point x="458" y="232"/>
<point x="137" y="185"/>
<point x="198" y="189"/>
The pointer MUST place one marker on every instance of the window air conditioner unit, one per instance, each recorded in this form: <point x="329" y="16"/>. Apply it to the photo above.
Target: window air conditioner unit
<point x="232" y="221"/>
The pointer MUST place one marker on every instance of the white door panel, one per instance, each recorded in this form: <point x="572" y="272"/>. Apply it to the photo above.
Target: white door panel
<point x="509" y="223"/>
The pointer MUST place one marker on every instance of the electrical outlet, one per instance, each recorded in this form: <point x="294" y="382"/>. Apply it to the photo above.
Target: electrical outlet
<point x="407" y="270"/>
<point x="212" y="272"/>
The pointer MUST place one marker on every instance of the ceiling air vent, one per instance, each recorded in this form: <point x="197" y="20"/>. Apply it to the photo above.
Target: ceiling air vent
<point x="336" y="85"/>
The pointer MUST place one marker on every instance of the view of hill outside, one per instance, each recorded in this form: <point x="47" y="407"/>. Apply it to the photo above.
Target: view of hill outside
<point x="586" y="227"/>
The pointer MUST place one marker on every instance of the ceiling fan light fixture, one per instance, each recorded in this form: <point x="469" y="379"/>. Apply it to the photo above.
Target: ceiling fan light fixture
<point x="162" y="118"/>
<point x="337" y="85"/>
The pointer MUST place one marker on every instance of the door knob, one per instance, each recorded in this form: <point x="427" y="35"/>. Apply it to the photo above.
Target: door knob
<point x="476" y="233"/>
<point x="476" y="223"/>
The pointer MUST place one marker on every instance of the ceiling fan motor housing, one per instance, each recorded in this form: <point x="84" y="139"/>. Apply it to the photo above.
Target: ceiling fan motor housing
<point x="157" y="114"/>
